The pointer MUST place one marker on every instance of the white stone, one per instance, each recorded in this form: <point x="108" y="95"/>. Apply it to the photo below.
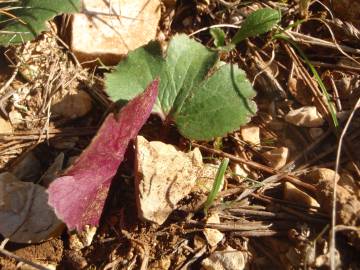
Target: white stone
<point x="277" y="157"/>
<point x="293" y="194"/>
<point x="73" y="106"/>
<point x="228" y="259"/>
<point x="240" y="172"/>
<point x="108" y="29"/>
<point x="213" y="236"/>
<point x="79" y="240"/>
<point x="15" y="117"/>
<point x="251" y="134"/>
<point x="306" y="116"/>
<point x="163" y="176"/>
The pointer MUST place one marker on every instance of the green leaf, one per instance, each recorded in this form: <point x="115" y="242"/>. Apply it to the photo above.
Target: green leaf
<point x="257" y="23"/>
<point x="219" y="179"/>
<point x="28" y="18"/>
<point x="203" y="99"/>
<point x="219" y="36"/>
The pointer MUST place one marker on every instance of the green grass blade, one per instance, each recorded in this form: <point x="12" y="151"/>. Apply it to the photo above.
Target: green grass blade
<point x="317" y="77"/>
<point x="217" y="184"/>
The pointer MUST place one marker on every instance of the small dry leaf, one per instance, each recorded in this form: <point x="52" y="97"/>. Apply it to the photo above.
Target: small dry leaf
<point x="277" y="157"/>
<point x="24" y="213"/>
<point x="292" y="193"/>
<point x="307" y="116"/>
<point x="228" y="259"/>
<point x="73" y="106"/>
<point x="250" y="134"/>
<point x="300" y="91"/>
<point x="164" y="176"/>
<point x="213" y="236"/>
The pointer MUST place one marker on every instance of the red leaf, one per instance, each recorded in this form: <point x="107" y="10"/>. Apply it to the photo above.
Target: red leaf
<point x="78" y="197"/>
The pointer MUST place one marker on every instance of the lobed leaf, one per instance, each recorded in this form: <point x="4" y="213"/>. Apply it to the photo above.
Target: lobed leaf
<point x="204" y="101"/>
<point x="78" y="197"/>
<point x="26" y="19"/>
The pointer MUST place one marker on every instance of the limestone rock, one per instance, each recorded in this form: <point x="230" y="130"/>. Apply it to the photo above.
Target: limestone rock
<point x="73" y="106"/>
<point x="239" y="172"/>
<point x="251" y="134"/>
<point x="163" y="177"/>
<point x="15" y="117"/>
<point x="79" y="240"/>
<point x="307" y="116"/>
<point x="277" y="157"/>
<point x="108" y="30"/>
<point x="292" y="193"/>
<point x="213" y="236"/>
<point x="228" y="259"/>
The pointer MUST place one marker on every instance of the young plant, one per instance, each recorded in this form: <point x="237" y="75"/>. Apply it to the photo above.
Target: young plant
<point x="257" y="23"/>
<point x="219" y="37"/>
<point x="203" y="97"/>
<point x="219" y="179"/>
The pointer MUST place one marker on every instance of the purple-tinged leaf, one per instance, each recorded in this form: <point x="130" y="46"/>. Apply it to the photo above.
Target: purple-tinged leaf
<point x="78" y="197"/>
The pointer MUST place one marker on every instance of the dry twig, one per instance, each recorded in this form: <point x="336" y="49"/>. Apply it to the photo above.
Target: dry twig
<point x="337" y="164"/>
